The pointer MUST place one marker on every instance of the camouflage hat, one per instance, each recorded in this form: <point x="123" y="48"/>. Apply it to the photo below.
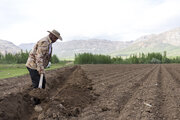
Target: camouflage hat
<point x="56" y="33"/>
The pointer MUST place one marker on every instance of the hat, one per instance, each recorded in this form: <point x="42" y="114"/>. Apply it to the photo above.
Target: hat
<point x="56" y="33"/>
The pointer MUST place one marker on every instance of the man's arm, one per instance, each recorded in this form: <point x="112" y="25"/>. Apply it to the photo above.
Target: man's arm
<point x="41" y="50"/>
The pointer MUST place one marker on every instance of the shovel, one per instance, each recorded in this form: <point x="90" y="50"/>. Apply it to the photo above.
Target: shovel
<point x="40" y="81"/>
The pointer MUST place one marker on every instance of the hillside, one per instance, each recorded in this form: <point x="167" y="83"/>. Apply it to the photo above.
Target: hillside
<point x="26" y="46"/>
<point x="67" y="50"/>
<point x="167" y="41"/>
<point x="8" y="47"/>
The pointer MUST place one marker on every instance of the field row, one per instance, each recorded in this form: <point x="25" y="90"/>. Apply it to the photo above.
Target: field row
<point x="129" y="92"/>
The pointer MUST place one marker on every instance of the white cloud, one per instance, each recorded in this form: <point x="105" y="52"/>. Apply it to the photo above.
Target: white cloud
<point x="28" y="21"/>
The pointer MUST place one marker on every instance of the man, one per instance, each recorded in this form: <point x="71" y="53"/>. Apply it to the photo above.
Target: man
<point x="39" y="58"/>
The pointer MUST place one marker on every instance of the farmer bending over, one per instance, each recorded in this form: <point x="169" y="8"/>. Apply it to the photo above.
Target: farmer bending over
<point x="39" y="58"/>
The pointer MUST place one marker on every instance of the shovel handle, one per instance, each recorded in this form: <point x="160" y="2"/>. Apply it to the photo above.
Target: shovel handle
<point x="40" y="81"/>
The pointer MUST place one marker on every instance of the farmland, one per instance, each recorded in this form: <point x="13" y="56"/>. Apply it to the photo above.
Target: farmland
<point x="98" y="92"/>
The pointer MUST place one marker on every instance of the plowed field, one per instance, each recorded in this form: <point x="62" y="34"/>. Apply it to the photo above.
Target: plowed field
<point x="97" y="92"/>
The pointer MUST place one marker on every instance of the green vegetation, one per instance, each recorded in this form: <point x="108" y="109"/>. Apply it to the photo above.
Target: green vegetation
<point x="141" y="58"/>
<point x="55" y="59"/>
<point x="12" y="65"/>
<point x="14" y="58"/>
<point x="13" y="70"/>
<point x="88" y="58"/>
<point x="20" y="58"/>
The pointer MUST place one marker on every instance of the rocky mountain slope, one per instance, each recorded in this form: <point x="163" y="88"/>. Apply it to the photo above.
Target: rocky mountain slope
<point x="167" y="41"/>
<point x="8" y="47"/>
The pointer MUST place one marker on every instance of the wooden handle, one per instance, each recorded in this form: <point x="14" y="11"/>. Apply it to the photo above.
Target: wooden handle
<point x="40" y="81"/>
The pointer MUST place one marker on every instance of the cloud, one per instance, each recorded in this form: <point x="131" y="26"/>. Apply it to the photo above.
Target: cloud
<point x="25" y="21"/>
<point x="11" y="13"/>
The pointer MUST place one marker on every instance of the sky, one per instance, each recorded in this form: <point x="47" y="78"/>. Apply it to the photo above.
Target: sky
<point x="27" y="21"/>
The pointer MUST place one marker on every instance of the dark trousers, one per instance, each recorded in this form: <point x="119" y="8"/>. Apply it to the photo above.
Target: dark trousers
<point x="35" y="77"/>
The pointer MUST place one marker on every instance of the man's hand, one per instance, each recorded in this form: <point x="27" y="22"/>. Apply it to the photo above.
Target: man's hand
<point x="49" y="64"/>
<point x="41" y="71"/>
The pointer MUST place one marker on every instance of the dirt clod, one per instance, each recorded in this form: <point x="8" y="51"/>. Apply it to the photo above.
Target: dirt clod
<point x="38" y="108"/>
<point x="39" y="93"/>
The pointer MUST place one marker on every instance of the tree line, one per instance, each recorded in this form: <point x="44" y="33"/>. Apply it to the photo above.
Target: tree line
<point x="141" y="58"/>
<point x="89" y="58"/>
<point x="20" y="58"/>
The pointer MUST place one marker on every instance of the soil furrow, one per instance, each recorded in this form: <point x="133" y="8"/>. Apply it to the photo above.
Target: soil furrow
<point x="157" y="109"/>
<point x="139" y="106"/>
<point x="115" y="98"/>
<point x="114" y="76"/>
<point x="171" y="90"/>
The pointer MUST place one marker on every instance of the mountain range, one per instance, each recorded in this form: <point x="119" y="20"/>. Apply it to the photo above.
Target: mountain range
<point x="67" y="50"/>
<point x="8" y="47"/>
<point x="168" y="41"/>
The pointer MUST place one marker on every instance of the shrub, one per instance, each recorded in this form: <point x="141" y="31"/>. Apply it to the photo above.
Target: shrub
<point x="54" y="59"/>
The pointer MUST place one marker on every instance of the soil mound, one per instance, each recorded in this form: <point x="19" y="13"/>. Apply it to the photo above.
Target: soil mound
<point x="70" y="99"/>
<point x="67" y="92"/>
<point x="15" y="107"/>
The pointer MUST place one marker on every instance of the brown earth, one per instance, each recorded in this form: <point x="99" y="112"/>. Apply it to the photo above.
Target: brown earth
<point x="97" y="92"/>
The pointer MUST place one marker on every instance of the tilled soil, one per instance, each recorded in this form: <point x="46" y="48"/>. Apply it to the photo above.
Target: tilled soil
<point x="97" y="92"/>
